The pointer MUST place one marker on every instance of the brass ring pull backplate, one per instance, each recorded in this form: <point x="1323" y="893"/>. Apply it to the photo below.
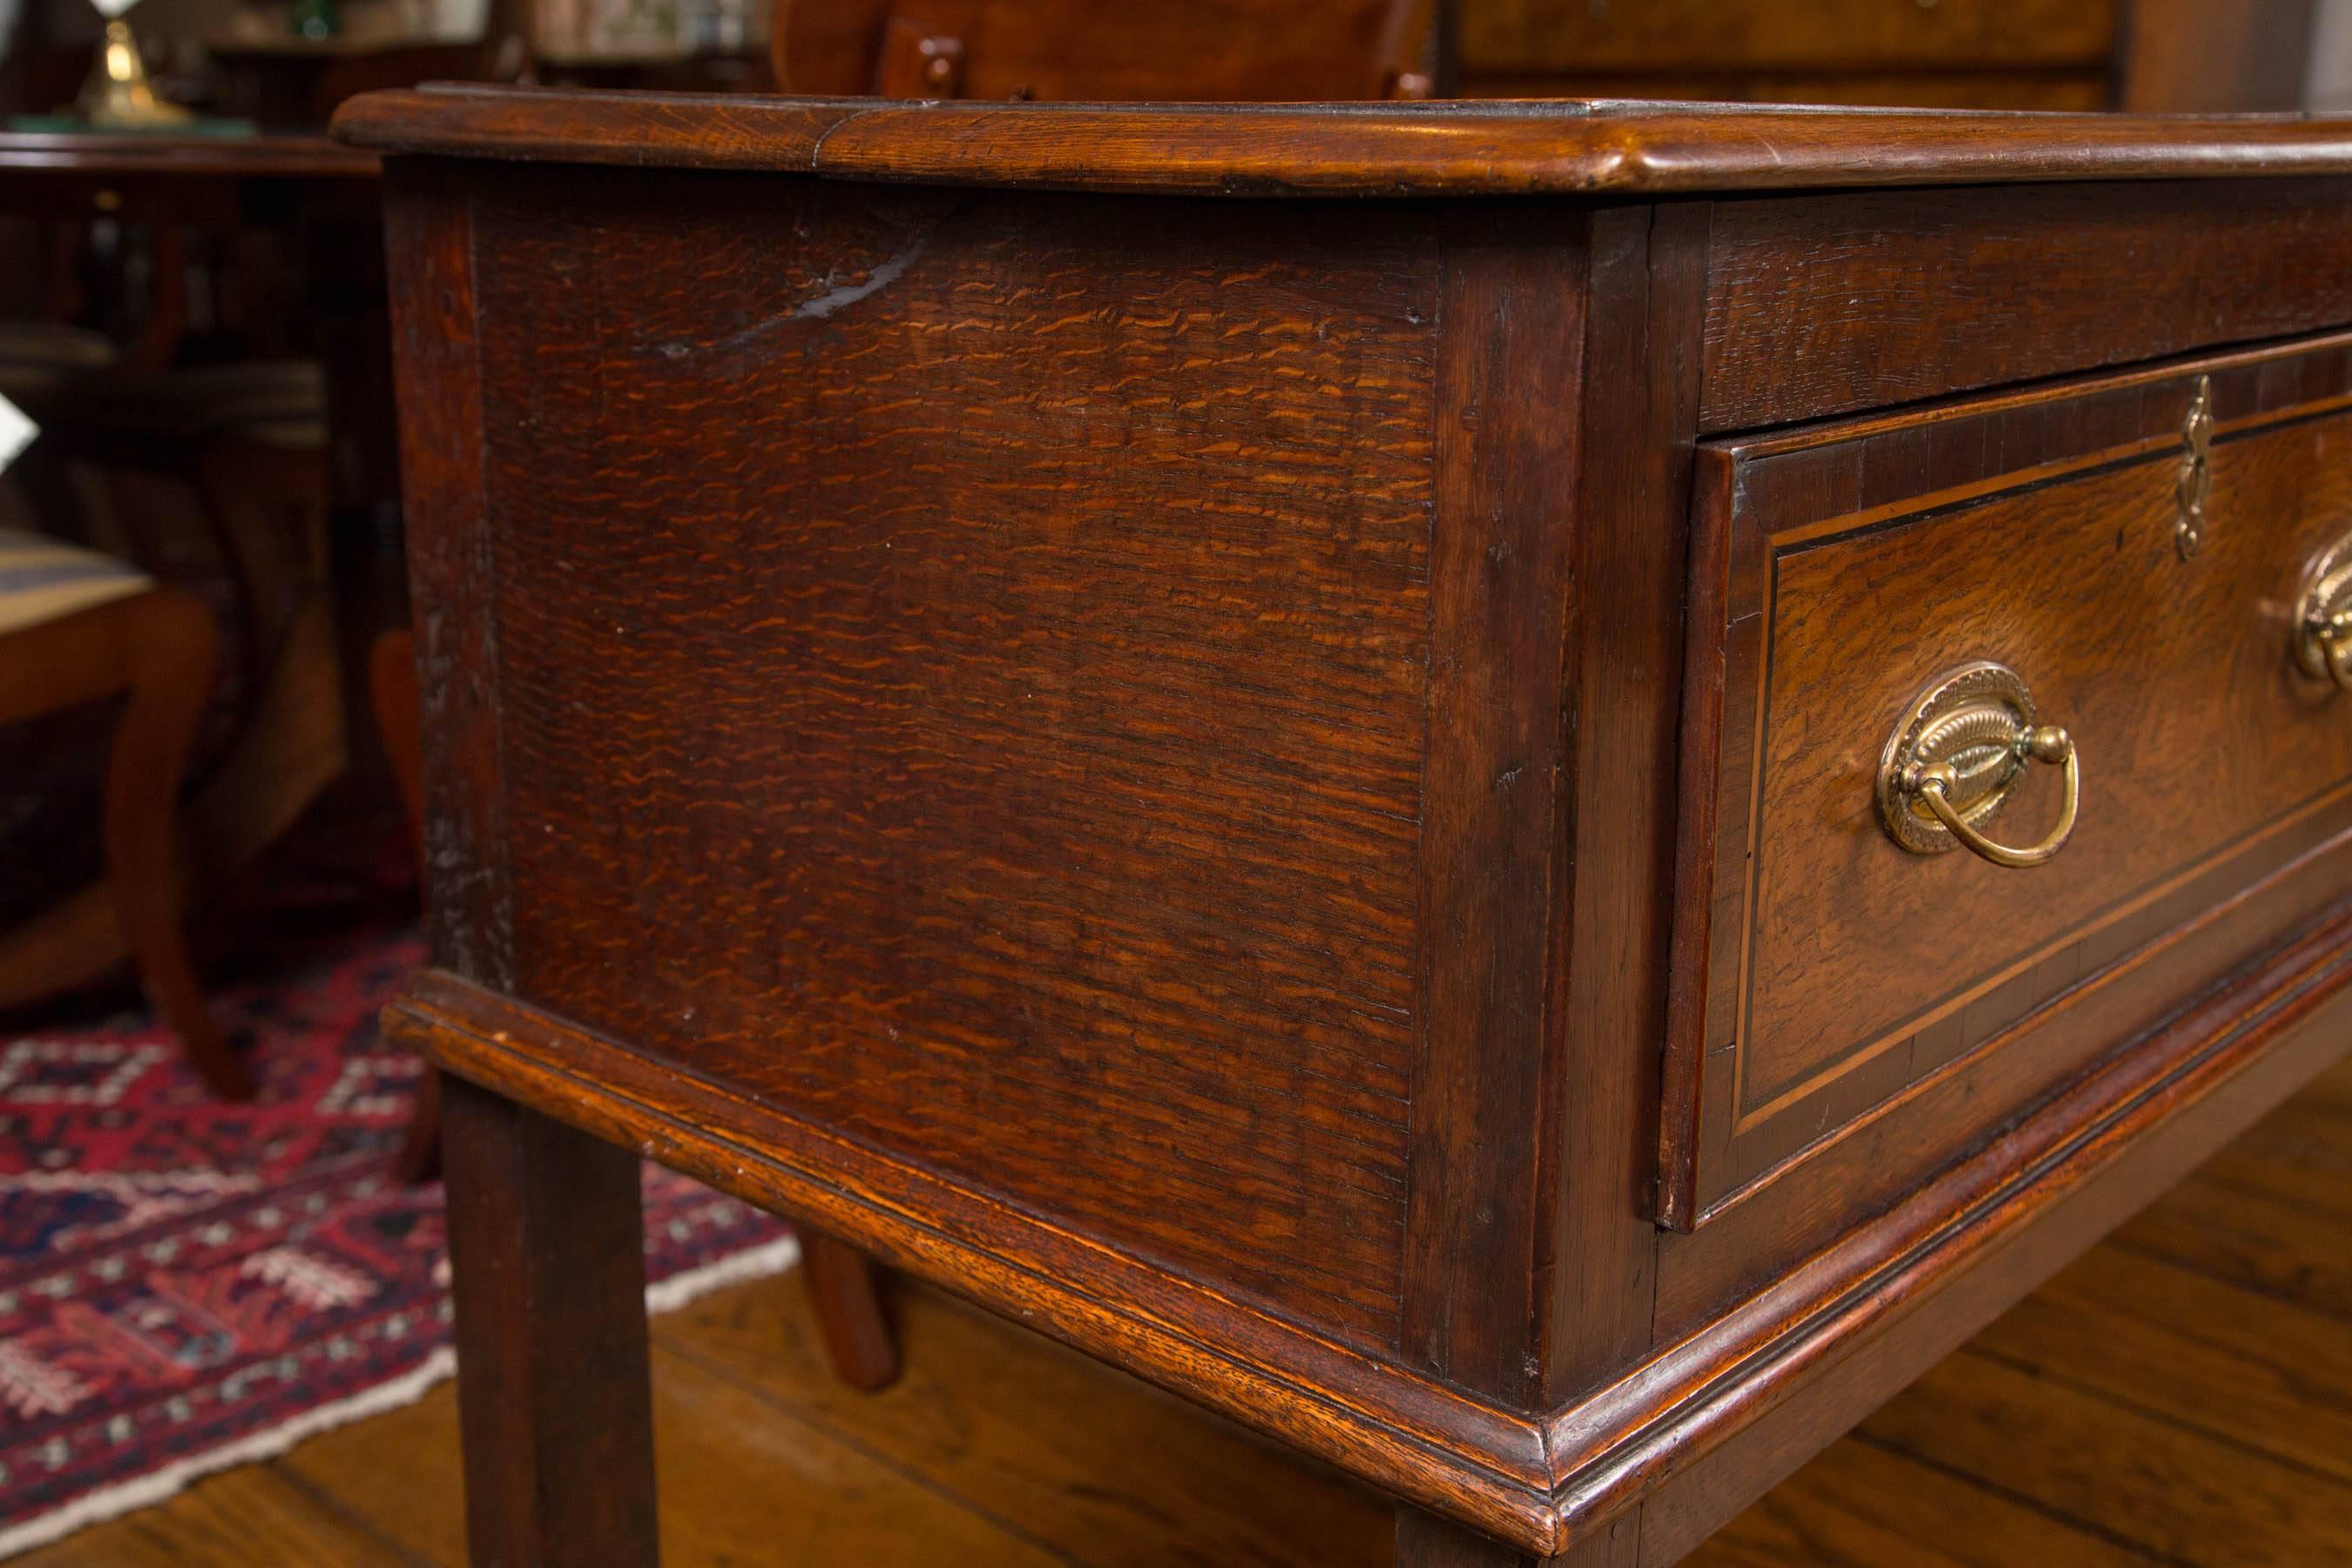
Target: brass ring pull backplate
<point x="1954" y="757"/>
<point x="2323" y="622"/>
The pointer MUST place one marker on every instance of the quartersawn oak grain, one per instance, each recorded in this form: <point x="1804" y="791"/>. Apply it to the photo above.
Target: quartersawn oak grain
<point x="1073" y="531"/>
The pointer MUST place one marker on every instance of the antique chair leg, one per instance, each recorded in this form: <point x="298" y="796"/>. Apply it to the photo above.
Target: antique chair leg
<point x="391" y="685"/>
<point x="170" y="658"/>
<point x="841" y="1281"/>
<point x="555" y="1407"/>
<point x="1425" y="1540"/>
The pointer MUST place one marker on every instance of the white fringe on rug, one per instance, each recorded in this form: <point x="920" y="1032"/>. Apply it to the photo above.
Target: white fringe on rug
<point x="143" y="1491"/>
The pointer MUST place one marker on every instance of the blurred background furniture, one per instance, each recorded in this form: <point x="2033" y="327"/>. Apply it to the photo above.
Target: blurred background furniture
<point x="219" y="476"/>
<point x="2151" y="55"/>
<point x="77" y="626"/>
<point x="1103" y="50"/>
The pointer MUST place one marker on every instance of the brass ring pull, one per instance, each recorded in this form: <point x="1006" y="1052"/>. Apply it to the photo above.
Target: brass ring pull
<point x="1954" y="757"/>
<point x="2322" y="631"/>
<point x="2334" y="636"/>
<point x="2047" y="743"/>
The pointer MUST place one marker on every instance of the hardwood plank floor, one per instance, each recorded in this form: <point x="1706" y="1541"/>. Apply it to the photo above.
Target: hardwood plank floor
<point x="2181" y="1396"/>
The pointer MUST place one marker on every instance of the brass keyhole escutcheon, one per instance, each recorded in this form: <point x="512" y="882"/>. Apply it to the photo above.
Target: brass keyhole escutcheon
<point x="2323" y="622"/>
<point x="2195" y="486"/>
<point x="1955" y="756"/>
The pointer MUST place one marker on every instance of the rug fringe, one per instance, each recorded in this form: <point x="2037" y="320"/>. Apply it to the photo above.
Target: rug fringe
<point x="679" y="1290"/>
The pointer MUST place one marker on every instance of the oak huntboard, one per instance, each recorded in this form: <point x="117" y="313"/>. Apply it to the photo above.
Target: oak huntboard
<point x="1533" y="795"/>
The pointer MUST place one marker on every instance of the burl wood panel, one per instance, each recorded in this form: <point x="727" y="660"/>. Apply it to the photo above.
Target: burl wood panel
<point x="962" y="672"/>
<point x="1833" y="304"/>
<point x="1843" y="969"/>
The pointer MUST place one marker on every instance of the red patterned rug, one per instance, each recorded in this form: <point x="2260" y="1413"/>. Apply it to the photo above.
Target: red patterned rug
<point x="187" y="1285"/>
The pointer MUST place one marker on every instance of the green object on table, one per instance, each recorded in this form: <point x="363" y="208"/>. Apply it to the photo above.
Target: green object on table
<point x="74" y="125"/>
<point x="317" y="19"/>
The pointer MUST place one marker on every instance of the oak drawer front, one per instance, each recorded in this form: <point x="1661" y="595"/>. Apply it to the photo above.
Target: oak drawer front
<point x="1823" y="968"/>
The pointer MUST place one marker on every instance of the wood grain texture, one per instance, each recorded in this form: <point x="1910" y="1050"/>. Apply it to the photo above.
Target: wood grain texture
<point x="1570" y="147"/>
<point x="1824" y="998"/>
<point x="1837" y="303"/>
<point x="1514" y="353"/>
<point x="978" y="795"/>
<point x="2223" y="1065"/>
<point x="998" y="1443"/>
<point x="1425" y="1541"/>
<point x="429" y="246"/>
<point x="1418" y="1438"/>
<point x="1119" y="751"/>
<point x="1596" y="1274"/>
<point x="1819" y="35"/>
<point x="1688" y="1435"/>
<point x="547" y="1259"/>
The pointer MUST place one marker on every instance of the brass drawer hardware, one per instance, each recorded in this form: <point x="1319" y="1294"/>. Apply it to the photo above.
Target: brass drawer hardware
<point x="2196" y="484"/>
<point x="1953" y="758"/>
<point x="2323" y="623"/>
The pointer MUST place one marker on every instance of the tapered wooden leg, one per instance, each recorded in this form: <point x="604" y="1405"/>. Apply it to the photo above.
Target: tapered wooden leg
<point x="849" y="1311"/>
<point x="170" y="659"/>
<point x="546" y="1240"/>
<point x="1425" y="1540"/>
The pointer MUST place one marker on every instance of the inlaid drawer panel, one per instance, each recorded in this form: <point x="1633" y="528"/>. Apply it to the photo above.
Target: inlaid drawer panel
<point x="2105" y="580"/>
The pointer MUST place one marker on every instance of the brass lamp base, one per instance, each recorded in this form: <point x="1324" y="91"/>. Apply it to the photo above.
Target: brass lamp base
<point x="116" y="94"/>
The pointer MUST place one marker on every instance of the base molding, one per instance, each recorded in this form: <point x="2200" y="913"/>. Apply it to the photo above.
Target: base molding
<point x="1689" y="1434"/>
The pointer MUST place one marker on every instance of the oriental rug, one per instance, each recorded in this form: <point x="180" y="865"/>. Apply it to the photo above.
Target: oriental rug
<point x="188" y="1284"/>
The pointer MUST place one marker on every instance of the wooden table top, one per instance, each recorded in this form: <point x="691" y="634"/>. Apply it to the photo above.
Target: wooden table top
<point x="99" y="154"/>
<point x="1459" y="148"/>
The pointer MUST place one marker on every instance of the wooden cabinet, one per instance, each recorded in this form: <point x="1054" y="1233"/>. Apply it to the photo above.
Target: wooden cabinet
<point x="1253" y="735"/>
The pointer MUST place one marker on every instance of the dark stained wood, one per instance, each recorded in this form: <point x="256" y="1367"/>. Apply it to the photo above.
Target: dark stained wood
<point x="1119" y="751"/>
<point x="1570" y="147"/>
<point x="1954" y="53"/>
<point x="911" y="920"/>
<point x="1813" y="998"/>
<point x="998" y="1443"/>
<point x="547" y="1257"/>
<point x="391" y="684"/>
<point x="1854" y="35"/>
<point x="1419" y="1438"/>
<point x="1424" y="1541"/>
<point x="1610" y="976"/>
<point x="1492" y="776"/>
<point x="428" y="242"/>
<point x="1099" y="51"/>
<point x="1838" y="303"/>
